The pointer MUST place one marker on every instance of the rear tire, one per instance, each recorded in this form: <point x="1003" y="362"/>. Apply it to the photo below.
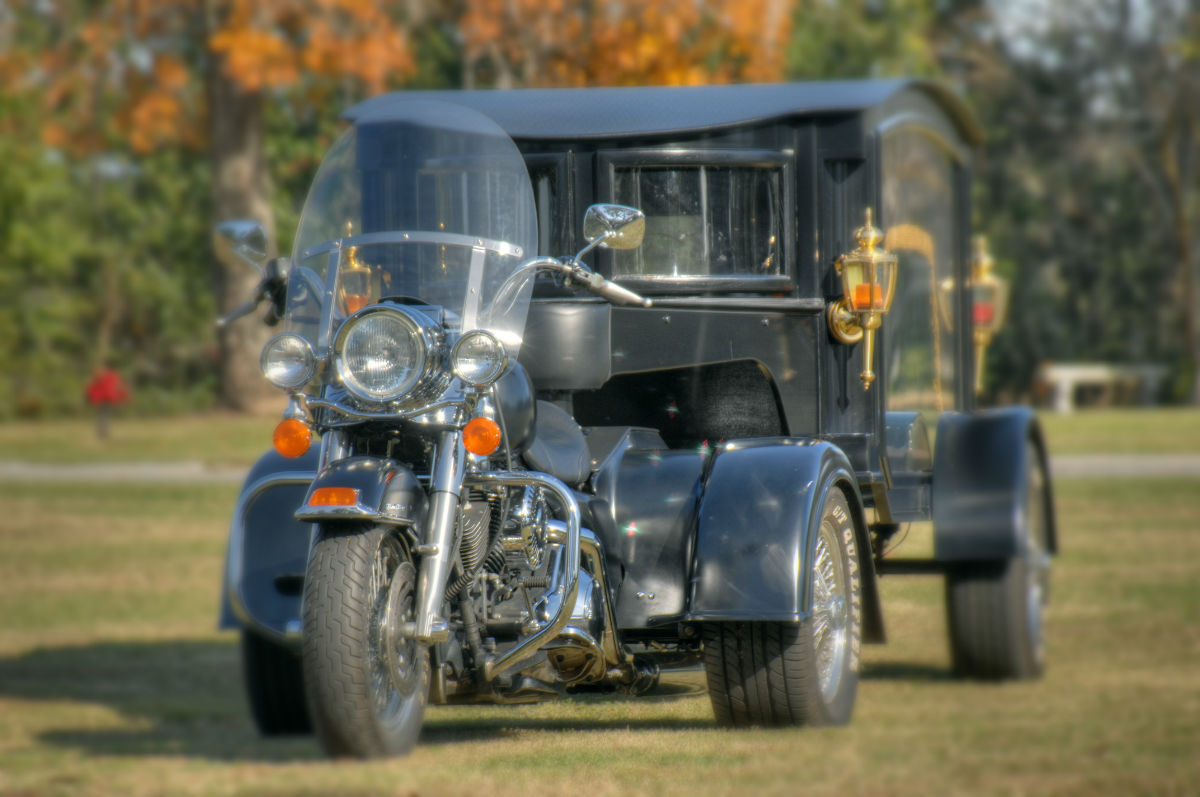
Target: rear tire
<point x="768" y="673"/>
<point x="995" y="610"/>
<point x="274" y="687"/>
<point x="367" y="682"/>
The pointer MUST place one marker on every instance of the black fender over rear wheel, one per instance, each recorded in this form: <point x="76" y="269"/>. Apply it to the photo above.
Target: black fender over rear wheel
<point x="367" y="681"/>
<point x="274" y="687"/>
<point x="771" y="673"/>
<point x="995" y="609"/>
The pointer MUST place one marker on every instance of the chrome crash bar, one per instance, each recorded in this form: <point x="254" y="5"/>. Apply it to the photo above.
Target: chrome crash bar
<point x="567" y="589"/>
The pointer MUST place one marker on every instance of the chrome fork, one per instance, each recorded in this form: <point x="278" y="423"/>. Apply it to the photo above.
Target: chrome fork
<point x="439" y="544"/>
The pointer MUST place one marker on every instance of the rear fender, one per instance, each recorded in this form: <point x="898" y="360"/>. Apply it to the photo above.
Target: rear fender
<point x="762" y="499"/>
<point x="980" y="483"/>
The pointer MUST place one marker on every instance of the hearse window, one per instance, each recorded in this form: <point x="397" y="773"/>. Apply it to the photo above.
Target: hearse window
<point x="703" y="220"/>
<point x="919" y="211"/>
<point x="550" y="174"/>
<point x="545" y="196"/>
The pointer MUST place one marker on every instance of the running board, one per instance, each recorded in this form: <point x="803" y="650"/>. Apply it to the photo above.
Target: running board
<point x="910" y="567"/>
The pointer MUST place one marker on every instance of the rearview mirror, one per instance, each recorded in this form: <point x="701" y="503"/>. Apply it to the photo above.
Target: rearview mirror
<point x="614" y="226"/>
<point x="241" y="240"/>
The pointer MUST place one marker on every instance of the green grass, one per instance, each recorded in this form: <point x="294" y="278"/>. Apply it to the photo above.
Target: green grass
<point x="113" y="679"/>
<point x="222" y="439"/>
<point x="211" y="438"/>
<point x="1125" y="431"/>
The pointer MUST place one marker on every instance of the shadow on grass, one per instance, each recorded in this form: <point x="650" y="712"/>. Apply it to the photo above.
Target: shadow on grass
<point x="186" y="698"/>
<point x="171" y="698"/>
<point x="905" y="671"/>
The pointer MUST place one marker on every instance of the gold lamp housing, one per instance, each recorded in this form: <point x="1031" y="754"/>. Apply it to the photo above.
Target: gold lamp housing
<point x="868" y="286"/>
<point x="989" y="303"/>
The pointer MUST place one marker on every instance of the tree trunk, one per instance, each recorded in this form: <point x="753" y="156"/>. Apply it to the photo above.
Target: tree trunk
<point x="240" y="190"/>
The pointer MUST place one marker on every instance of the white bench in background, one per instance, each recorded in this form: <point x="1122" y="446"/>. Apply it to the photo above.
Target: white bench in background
<point x="1064" y="378"/>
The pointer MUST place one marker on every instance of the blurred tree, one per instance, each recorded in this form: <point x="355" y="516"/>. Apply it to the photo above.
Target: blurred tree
<point x="861" y="38"/>
<point x="510" y="43"/>
<point x="1089" y="180"/>
<point x="130" y="76"/>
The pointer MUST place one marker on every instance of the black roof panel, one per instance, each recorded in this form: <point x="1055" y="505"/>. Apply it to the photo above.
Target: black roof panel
<point x="602" y="113"/>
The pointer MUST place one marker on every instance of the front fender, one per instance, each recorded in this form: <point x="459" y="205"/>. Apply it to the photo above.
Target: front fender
<point x="761" y="500"/>
<point x="980" y="483"/>
<point x="385" y="492"/>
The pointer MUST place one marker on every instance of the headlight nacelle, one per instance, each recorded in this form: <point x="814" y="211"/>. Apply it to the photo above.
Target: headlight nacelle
<point x="288" y="362"/>
<point x="383" y="353"/>
<point x="478" y="358"/>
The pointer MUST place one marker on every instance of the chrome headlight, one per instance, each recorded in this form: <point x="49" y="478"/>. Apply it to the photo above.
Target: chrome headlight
<point x="478" y="358"/>
<point x="287" y="361"/>
<point x="382" y="353"/>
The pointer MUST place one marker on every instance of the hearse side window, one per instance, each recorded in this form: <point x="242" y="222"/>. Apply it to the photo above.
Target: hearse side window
<point x="545" y="197"/>
<point x="919" y="211"/>
<point x="550" y="175"/>
<point x="703" y="220"/>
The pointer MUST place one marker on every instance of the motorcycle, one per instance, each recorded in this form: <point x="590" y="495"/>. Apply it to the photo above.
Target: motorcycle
<point x="449" y="557"/>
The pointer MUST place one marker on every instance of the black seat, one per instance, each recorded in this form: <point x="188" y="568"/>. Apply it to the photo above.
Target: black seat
<point x="558" y="446"/>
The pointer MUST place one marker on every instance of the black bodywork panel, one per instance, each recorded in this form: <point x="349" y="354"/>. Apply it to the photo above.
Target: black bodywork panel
<point x="268" y="548"/>
<point x="980" y="483"/>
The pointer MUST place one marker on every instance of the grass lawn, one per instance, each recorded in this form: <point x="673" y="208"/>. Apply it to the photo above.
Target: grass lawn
<point x="114" y="681"/>
<point x="218" y="439"/>
<point x="211" y="438"/>
<point x="1124" y="431"/>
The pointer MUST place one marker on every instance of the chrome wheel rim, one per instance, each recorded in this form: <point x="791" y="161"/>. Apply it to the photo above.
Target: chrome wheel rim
<point x="393" y="655"/>
<point x="831" y="626"/>
<point x="1037" y="558"/>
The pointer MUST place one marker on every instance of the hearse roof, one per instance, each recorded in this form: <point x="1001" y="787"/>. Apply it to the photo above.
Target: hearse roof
<point x="606" y="113"/>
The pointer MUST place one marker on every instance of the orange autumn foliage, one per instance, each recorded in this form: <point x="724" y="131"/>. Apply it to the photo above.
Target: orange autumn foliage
<point x="625" y="42"/>
<point x="135" y="70"/>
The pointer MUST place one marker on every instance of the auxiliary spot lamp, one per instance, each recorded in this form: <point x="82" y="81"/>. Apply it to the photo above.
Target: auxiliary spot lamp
<point x="868" y="285"/>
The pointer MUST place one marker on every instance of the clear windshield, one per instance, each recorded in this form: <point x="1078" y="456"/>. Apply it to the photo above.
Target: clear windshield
<point x="429" y="203"/>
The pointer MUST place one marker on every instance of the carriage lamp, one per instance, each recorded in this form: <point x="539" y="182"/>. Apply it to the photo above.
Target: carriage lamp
<point x="989" y="303"/>
<point x="355" y="279"/>
<point x="868" y="284"/>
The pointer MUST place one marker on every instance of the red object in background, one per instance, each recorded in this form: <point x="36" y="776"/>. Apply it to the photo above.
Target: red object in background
<point x="106" y="387"/>
<point x="985" y="313"/>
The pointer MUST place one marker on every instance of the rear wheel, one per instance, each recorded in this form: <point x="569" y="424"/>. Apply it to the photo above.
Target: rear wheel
<point x="995" y="609"/>
<point x="274" y="687"/>
<point x="796" y="673"/>
<point x="366" y="677"/>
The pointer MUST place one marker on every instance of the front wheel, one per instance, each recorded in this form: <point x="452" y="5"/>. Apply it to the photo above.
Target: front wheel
<point x="768" y="673"/>
<point x="367" y="680"/>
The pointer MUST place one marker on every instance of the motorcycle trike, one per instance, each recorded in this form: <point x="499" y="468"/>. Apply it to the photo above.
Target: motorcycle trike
<point x="506" y="476"/>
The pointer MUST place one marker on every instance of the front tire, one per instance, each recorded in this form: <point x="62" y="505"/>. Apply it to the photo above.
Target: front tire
<point x="995" y="610"/>
<point x="367" y="682"/>
<point x="769" y="673"/>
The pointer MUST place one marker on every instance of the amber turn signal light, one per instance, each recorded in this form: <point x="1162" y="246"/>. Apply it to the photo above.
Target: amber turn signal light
<point x="292" y="437"/>
<point x="481" y="436"/>
<point x="333" y="496"/>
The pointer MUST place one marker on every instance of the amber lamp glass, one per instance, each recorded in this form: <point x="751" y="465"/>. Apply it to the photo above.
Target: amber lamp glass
<point x="868" y="285"/>
<point x="989" y="303"/>
<point x="292" y="437"/>
<point x="481" y="436"/>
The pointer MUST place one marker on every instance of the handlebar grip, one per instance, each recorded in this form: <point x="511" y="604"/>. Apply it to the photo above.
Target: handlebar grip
<point x="243" y="310"/>
<point x="615" y="293"/>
